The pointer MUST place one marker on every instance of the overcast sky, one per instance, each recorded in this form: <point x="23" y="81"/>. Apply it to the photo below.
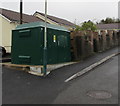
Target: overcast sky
<point x="79" y="10"/>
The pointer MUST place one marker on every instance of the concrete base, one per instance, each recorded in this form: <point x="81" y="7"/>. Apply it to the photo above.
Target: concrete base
<point x="36" y="70"/>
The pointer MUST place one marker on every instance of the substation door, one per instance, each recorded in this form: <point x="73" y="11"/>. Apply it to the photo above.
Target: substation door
<point x="62" y="44"/>
<point x="52" y="52"/>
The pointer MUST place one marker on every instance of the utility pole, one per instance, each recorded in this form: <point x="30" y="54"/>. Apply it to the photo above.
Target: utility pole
<point x="21" y="18"/>
<point x="45" y="42"/>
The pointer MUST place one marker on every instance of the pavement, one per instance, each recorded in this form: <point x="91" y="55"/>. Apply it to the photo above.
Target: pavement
<point x="22" y="88"/>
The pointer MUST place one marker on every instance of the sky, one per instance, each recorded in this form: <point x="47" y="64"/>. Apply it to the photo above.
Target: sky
<point x="76" y="11"/>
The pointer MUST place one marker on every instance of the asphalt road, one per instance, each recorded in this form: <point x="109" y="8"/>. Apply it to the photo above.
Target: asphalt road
<point x="103" y="78"/>
<point x="22" y="88"/>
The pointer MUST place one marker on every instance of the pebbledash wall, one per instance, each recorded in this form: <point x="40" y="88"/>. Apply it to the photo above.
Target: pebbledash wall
<point x="6" y="27"/>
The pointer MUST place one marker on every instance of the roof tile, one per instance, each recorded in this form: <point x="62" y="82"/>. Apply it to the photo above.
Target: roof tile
<point x="58" y="20"/>
<point x="15" y="16"/>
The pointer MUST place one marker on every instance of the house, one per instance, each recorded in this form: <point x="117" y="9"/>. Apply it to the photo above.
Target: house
<point x="8" y="21"/>
<point x="54" y="20"/>
<point x="112" y="26"/>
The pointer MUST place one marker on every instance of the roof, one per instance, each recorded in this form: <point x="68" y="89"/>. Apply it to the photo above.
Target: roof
<point x="58" y="20"/>
<point x="40" y="24"/>
<point x="15" y="16"/>
<point x="109" y="26"/>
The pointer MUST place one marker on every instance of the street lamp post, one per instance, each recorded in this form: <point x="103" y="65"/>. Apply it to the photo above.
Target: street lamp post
<point x="21" y="7"/>
<point x="45" y="42"/>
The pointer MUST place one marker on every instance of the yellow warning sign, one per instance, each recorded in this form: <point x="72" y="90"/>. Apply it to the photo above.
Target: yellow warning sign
<point x="54" y="38"/>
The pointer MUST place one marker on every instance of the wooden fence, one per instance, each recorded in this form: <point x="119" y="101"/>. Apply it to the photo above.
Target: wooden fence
<point x="86" y="43"/>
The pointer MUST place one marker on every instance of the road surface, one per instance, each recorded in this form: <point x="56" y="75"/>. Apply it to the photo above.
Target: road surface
<point x="22" y="88"/>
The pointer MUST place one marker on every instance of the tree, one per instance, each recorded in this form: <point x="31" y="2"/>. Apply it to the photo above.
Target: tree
<point x="110" y="20"/>
<point x="117" y="20"/>
<point x="77" y="28"/>
<point x="88" y="26"/>
<point x="102" y="21"/>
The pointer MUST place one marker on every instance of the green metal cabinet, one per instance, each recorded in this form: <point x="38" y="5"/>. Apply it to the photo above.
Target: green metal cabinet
<point x="28" y="43"/>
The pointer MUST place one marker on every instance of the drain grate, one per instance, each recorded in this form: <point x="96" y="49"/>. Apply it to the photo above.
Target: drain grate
<point x="98" y="94"/>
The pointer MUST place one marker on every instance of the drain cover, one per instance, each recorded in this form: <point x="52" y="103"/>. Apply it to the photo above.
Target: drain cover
<point x="99" y="94"/>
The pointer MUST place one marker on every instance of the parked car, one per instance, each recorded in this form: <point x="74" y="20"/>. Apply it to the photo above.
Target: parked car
<point x="2" y="51"/>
